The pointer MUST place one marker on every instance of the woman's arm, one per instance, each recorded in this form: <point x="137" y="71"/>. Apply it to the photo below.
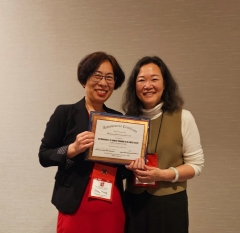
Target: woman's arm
<point x="52" y="152"/>
<point x="192" y="155"/>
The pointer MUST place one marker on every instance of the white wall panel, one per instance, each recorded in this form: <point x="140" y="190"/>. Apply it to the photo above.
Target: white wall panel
<point x="41" y="45"/>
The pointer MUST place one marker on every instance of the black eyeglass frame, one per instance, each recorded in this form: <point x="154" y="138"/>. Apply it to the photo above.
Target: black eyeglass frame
<point x="103" y="76"/>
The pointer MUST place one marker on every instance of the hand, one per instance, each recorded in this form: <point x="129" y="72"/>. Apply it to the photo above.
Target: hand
<point x="137" y="164"/>
<point x="149" y="174"/>
<point x="83" y="141"/>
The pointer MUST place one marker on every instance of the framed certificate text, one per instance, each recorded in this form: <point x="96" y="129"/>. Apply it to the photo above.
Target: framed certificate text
<point x="118" y="139"/>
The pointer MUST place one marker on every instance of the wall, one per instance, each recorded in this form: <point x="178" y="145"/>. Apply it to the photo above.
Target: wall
<point x="41" y="45"/>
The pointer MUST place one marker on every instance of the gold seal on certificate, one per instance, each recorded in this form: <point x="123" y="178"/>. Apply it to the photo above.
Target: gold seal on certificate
<point x="118" y="139"/>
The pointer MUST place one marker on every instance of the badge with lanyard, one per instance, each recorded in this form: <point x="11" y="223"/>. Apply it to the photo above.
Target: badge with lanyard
<point x="102" y="182"/>
<point x="151" y="161"/>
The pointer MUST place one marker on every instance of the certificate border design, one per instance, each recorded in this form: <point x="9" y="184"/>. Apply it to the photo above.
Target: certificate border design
<point x="95" y="116"/>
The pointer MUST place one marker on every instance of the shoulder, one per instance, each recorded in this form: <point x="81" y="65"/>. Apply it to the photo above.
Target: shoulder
<point x="62" y="111"/>
<point x="64" y="107"/>
<point x="67" y="108"/>
<point x="188" y="121"/>
<point x="187" y="115"/>
<point x="56" y="125"/>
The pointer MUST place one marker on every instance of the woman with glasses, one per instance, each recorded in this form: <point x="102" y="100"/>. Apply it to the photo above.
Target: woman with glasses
<point x="65" y="140"/>
<point x="156" y="198"/>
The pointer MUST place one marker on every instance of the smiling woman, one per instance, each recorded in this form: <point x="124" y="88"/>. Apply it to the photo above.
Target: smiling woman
<point x="98" y="75"/>
<point x="156" y="192"/>
<point x="149" y="85"/>
<point x="98" y="89"/>
<point x="65" y="140"/>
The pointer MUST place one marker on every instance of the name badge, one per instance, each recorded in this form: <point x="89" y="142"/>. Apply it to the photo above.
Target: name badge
<point x="102" y="182"/>
<point x="151" y="162"/>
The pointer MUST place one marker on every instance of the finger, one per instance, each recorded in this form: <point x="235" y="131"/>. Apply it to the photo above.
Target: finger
<point x="84" y="138"/>
<point x="83" y="147"/>
<point x="141" y="163"/>
<point x="149" y="168"/>
<point x="85" y="135"/>
<point x="135" y="173"/>
<point x="135" y="164"/>
<point x="87" y="145"/>
<point x="138" y="175"/>
<point x="142" y="179"/>
<point x="141" y="172"/>
<point x="130" y="166"/>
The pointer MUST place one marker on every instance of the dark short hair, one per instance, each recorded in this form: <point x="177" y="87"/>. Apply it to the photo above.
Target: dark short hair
<point x="92" y="61"/>
<point x="171" y="96"/>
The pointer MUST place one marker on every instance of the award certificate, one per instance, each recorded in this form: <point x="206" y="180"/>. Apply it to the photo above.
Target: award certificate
<point x="118" y="139"/>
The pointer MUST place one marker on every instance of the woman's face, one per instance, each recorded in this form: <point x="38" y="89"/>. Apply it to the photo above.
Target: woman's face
<point x="99" y="92"/>
<point x="149" y="85"/>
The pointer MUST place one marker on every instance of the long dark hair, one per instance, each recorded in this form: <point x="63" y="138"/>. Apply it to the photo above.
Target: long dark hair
<point x="171" y="96"/>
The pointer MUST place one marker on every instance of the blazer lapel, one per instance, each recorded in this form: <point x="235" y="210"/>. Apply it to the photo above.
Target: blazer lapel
<point x="81" y="116"/>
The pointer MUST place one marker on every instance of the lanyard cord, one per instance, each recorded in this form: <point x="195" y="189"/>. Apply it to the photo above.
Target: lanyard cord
<point x="159" y="132"/>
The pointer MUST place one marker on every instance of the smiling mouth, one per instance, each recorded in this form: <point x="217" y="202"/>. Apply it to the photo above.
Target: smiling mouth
<point x="148" y="93"/>
<point x="101" y="91"/>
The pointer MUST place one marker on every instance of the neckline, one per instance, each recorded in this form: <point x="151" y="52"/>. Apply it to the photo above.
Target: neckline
<point x="152" y="113"/>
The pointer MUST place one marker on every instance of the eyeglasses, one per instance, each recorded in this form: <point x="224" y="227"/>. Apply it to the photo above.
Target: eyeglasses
<point x="97" y="77"/>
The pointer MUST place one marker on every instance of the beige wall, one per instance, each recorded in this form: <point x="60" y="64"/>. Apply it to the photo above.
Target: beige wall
<point x="41" y="45"/>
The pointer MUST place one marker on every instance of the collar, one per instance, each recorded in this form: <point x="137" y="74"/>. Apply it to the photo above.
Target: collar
<point x="152" y="113"/>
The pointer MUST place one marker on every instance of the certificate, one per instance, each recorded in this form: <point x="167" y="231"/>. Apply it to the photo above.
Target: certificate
<point x="118" y="139"/>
